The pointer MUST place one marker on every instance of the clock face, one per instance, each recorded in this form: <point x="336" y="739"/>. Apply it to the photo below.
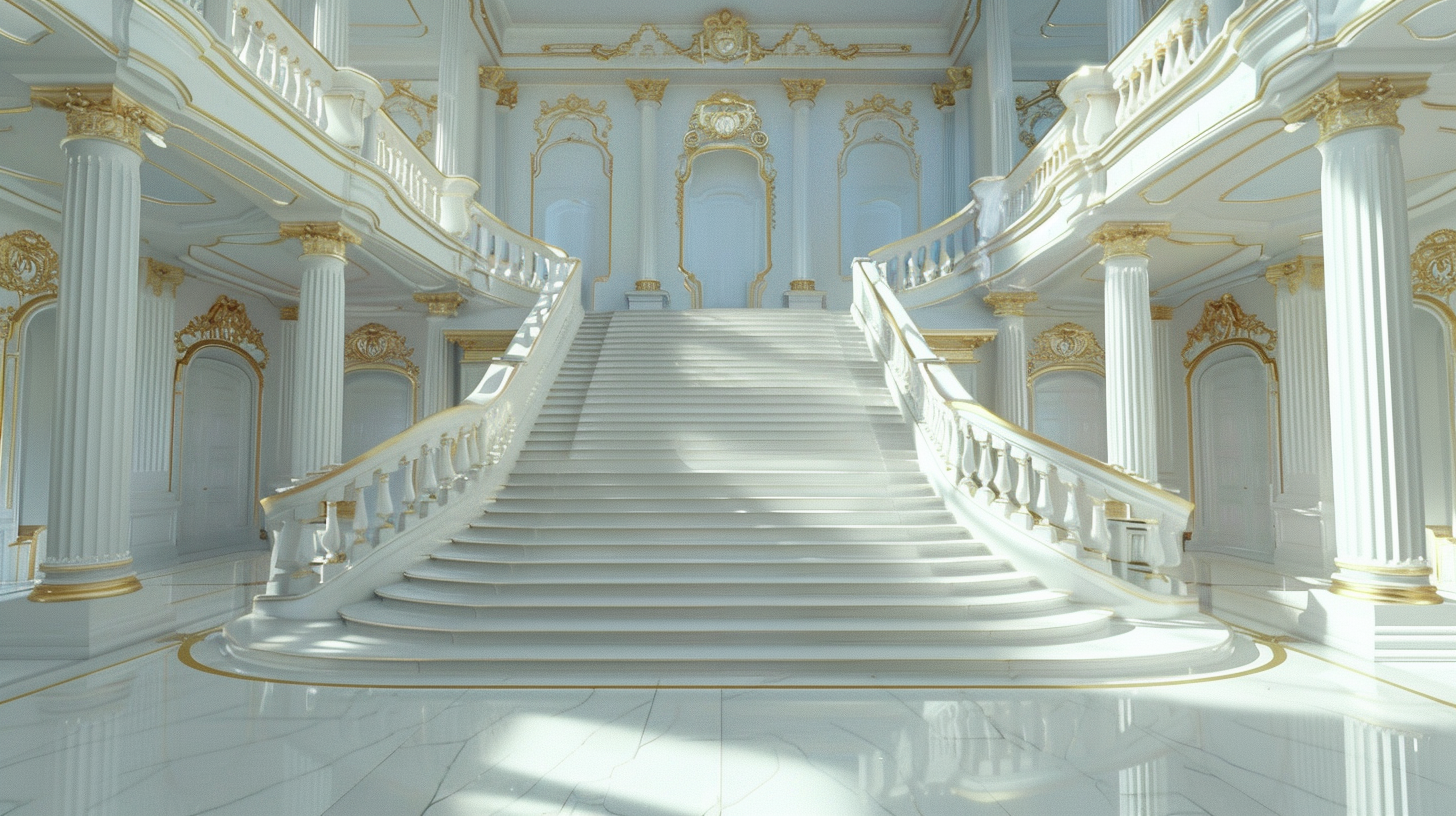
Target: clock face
<point x="724" y="44"/>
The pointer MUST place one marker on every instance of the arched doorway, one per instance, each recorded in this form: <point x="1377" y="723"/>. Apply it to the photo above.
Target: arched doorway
<point x="1234" y="404"/>
<point x="217" y="468"/>
<point x="725" y="240"/>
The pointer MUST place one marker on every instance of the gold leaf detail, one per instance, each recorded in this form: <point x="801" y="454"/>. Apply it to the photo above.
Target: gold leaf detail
<point x="28" y="264"/>
<point x="377" y="344"/>
<point x="1065" y="345"/>
<point x="225" y="322"/>
<point x="1433" y="264"/>
<point x="1224" y="319"/>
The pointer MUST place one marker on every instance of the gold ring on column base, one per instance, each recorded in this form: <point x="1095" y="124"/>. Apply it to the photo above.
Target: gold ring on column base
<point x="1377" y="569"/>
<point x="92" y="590"/>
<point x="649" y="286"/>
<point x="1416" y="595"/>
<point x="802" y="285"/>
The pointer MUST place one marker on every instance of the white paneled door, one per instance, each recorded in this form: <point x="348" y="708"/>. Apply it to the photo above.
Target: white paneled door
<point x="218" y="427"/>
<point x="1232" y="455"/>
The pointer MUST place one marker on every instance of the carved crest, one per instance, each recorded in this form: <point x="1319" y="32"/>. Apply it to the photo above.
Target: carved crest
<point x="1433" y="264"/>
<point x="377" y="344"/>
<point x="28" y="264"/>
<point x="879" y="120"/>
<point x="227" y="323"/>
<point x="725" y="116"/>
<point x="1065" y="345"/>
<point x="1223" y="320"/>
<point x="725" y="37"/>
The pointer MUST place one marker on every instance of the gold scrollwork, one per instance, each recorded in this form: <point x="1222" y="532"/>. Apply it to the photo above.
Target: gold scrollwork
<point x="320" y="238"/>
<point x="1433" y="264"/>
<point x="374" y="344"/>
<point x="100" y="112"/>
<point x="405" y="106"/>
<point x="226" y="323"/>
<point x="1118" y="238"/>
<point x="725" y="37"/>
<point x="493" y="77"/>
<point x="1350" y="102"/>
<point x="1224" y="319"/>
<point x="162" y="277"/>
<point x="1064" y="346"/>
<point x="28" y="264"/>
<point x="1032" y="111"/>
<point x="647" y="90"/>
<point x="942" y="95"/>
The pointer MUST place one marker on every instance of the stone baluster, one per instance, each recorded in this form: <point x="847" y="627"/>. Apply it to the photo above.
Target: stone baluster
<point x="383" y="500"/>
<point x="429" y="481"/>
<point x="408" y="495"/>
<point x="1072" y="513"/>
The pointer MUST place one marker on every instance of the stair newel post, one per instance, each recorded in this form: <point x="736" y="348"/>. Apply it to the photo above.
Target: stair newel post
<point x="444" y="468"/>
<point x="429" y="484"/>
<point x="408" y="495"/>
<point x="986" y="470"/>
<point x="383" y="503"/>
<point x="1072" y="513"/>
<point x="292" y="573"/>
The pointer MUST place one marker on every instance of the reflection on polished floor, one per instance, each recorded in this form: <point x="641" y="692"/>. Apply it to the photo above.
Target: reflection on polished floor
<point x="1315" y="732"/>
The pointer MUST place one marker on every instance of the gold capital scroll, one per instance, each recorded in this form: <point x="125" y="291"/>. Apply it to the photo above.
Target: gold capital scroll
<point x="647" y="90"/>
<point x="941" y="95"/>
<point x="958" y="345"/>
<point x="1161" y="312"/>
<point x="493" y="77"/>
<point x="1304" y="269"/>
<point x="958" y="78"/>
<point x="320" y="238"/>
<point x="802" y="90"/>
<point x="160" y="276"/>
<point x="1119" y="238"/>
<point x="1357" y="101"/>
<point x="99" y="112"/>
<point x="1010" y="304"/>
<point x="440" y="304"/>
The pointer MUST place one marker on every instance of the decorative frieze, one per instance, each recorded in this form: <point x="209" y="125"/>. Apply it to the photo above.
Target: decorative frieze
<point x="226" y="322"/>
<point x="440" y="304"/>
<point x="374" y="344"/>
<point x="1224" y="319"/>
<point x="725" y="37"/>
<point x="1118" y="238"/>
<point x="1350" y="102"/>
<point x="320" y="238"/>
<point x="1433" y="264"/>
<point x="1066" y="345"/>
<point x="1010" y="304"/>
<point x="647" y="90"/>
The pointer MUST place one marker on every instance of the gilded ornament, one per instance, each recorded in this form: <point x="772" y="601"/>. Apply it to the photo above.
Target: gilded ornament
<point x="1293" y="274"/>
<point x="440" y="304"/>
<point x="1065" y="345"/>
<point x="320" y="238"/>
<point x="1010" y="304"/>
<point x="1032" y="111"/>
<point x="1350" y="102"/>
<point x="480" y="345"/>
<point x="225" y="322"/>
<point x="958" y="346"/>
<point x="802" y="90"/>
<point x="649" y="286"/>
<point x="493" y="77"/>
<point x="942" y="96"/>
<point x="162" y="276"/>
<point x="647" y="90"/>
<point x="1119" y="238"/>
<point x="375" y="344"/>
<point x="572" y="107"/>
<point x="801" y="285"/>
<point x="100" y="112"/>
<point x="1161" y="312"/>
<point x="958" y="78"/>
<point x="28" y="264"/>
<point x="403" y="105"/>
<point x="1223" y="320"/>
<point x="288" y="313"/>
<point x="725" y="37"/>
<point x="722" y="117"/>
<point x="1433" y="264"/>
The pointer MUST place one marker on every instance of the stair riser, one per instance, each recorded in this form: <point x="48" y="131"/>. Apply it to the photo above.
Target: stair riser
<point x="688" y="553"/>
<point x="825" y="611"/>
<point x="869" y="642"/>
<point x="704" y="521"/>
<point x="711" y="536"/>
<point x="667" y="594"/>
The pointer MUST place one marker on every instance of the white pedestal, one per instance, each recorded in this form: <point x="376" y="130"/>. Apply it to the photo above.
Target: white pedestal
<point x="653" y="299"/>
<point x="1380" y="631"/>
<point x="800" y="299"/>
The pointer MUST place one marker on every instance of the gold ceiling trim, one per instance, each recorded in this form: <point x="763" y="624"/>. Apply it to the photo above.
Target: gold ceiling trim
<point x="226" y="323"/>
<point x="1224" y="320"/>
<point x="1066" y="346"/>
<point x="374" y="345"/>
<point x="725" y="37"/>
<point x="1433" y="264"/>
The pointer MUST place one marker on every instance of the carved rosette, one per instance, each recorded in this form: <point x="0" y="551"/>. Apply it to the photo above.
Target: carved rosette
<point x="29" y="266"/>
<point x="802" y="90"/>
<point x="163" y="277"/>
<point x="1066" y="345"/>
<point x="1303" y="270"/>
<point x="440" y="304"/>
<point x="320" y="238"/>
<point x="1350" y="102"/>
<point x="1119" y="239"/>
<point x="1010" y="304"/>
<point x="1433" y="264"/>
<point x="227" y="323"/>
<point x="1224" y="320"/>
<point x="374" y="344"/>
<point x="100" y="112"/>
<point x="647" y="90"/>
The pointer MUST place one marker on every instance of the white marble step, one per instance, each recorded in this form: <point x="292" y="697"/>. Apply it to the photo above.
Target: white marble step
<point x="579" y="505"/>
<point x="719" y="536"/>
<point x="730" y="519"/>
<point x="725" y="482"/>
<point x="852" y="552"/>
<point x="846" y="466"/>
<point x="549" y="488"/>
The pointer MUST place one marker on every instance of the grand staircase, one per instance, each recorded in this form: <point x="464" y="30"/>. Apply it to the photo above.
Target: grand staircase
<point x="721" y="492"/>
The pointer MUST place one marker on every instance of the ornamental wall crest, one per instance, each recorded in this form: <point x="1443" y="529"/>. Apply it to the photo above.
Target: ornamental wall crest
<point x="1433" y="264"/>
<point x="580" y="121"/>
<point x="225" y="323"/>
<point x="1065" y="345"/>
<point x="1224" y="320"/>
<point x="725" y="117"/>
<point x="29" y="266"/>
<point x="374" y="344"/>
<point x="725" y="37"/>
<point x="412" y="111"/>
<point x="879" y="120"/>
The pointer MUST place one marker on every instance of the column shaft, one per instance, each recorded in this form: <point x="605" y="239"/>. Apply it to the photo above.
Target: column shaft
<point x="1165" y="394"/>
<point x="1131" y="402"/>
<point x="434" y="386"/>
<point x="1124" y="20"/>
<point x="318" y="381"/>
<point x="156" y="364"/>
<point x="285" y="360"/>
<point x="331" y="30"/>
<point x="488" y="141"/>
<point x="1001" y="94"/>
<point x="647" y="192"/>
<point x="1013" y="401"/>
<point x="457" y="90"/>
<point x="802" y="269"/>
<point x="962" y="157"/>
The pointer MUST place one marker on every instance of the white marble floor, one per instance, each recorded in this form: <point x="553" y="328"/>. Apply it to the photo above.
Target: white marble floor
<point x="151" y="735"/>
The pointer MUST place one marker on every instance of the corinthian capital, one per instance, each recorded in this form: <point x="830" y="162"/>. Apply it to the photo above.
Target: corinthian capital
<point x="802" y="90"/>
<point x="320" y="238"/>
<point x="647" y="90"/>
<point x="1349" y="102"/>
<point x="1010" y="304"/>
<point x="1119" y="238"/>
<point x="99" y="112"/>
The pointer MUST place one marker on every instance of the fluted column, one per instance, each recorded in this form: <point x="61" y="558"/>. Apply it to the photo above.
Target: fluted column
<point x="962" y="155"/>
<point x="999" y="90"/>
<point x="285" y="360"/>
<point x="944" y="99"/>
<point x="648" y="93"/>
<point x="330" y="32"/>
<point x="450" y="141"/>
<point x="492" y="81"/>
<point x="88" y="542"/>
<point x="1379" y="521"/>
<point x="1132" y="439"/>
<point x="318" y="379"/>
<point x="1013" y="401"/>
<point x="1124" y="20"/>
<point x="1165" y="394"/>
<point x="434" y="384"/>
<point x="156" y="362"/>
<point x="802" y="294"/>
<point x="1379" y="775"/>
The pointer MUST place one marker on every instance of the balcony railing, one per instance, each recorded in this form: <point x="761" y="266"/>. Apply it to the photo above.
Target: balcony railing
<point x="941" y="251"/>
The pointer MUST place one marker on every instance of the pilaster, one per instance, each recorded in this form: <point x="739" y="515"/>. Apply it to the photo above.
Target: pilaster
<point x="287" y="367"/>
<point x="1013" y="401"/>
<point x="156" y="360"/>
<point x="648" y="293"/>
<point x="1166" y="387"/>
<point x="330" y="34"/>
<point x="962" y="157"/>
<point x="999" y="90"/>
<point x="1124" y="20"/>
<point x="318" y="381"/>
<point x="434" y="374"/>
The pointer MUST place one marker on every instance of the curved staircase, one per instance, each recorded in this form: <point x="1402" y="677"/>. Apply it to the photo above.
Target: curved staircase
<point x="715" y="493"/>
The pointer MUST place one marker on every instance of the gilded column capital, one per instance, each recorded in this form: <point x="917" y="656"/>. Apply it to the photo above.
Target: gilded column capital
<point x="958" y="345"/>
<point x="99" y="112"/>
<point x="1119" y="238"/>
<point x="647" y="90"/>
<point x="288" y="313"/>
<point x="1162" y="312"/>
<point x="942" y="95"/>
<point x="1304" y="269"/>
<point x="802" y="90"/>
<point x="162" y="276"/>
<point x="1010" y="304"/>
<point x="493" y="78"/>
<point x="440" y="304"/>
<point x="1348" y="102"/>
<point x="324" y="238"/>
<point x="958" y="78"/>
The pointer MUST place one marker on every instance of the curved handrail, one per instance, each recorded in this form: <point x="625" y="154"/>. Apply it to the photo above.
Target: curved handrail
<point x="940" y="251"/>
<point x="508" y="253"/>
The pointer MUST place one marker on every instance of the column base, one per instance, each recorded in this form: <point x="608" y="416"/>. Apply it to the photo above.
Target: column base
<point x="803" y="295"/>
<point x="647" y="298"/>
<point x="1380" y="631"/>
<point x="85" y="628"/>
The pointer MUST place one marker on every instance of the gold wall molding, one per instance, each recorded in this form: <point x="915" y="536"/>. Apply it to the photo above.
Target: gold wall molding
<point x="877" y="120"/>
<point x="1352" y="101"/>
<point x="1301" y="271"/>
<point x="493" y="78"/>
<point x="162" y="277"/>
<point x="725" y="37"/>
<point x="29" y="265"/>
<point x="958" y="78"/>
<point x="802" y="90"/>
<point x="1033" y="110"/>
<point x="440" y="304"/>
<point x="1433" y="264"/>
<point x="320" y="238"/>
<point x="958" y="345"/>
<point x="1224" y="320"/>
<point x="578" y="122"/>
<point x="480" y="345"/>
<point x="375" y="345"/>
<point x="99" y="112"/>
<point x="1120" y="238"/>
<point x="942" y="95"/>
<point x="225" y="323"/>
<point x="404" y="106"/>
<point x="1009" y="304"/>
<point x="647" y="90"/>
<point x="1066" y="346"/>
<point x="725" y="121"/>
<point x="880" y="108"/>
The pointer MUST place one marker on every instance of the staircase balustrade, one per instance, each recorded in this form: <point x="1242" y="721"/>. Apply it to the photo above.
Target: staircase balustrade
<point x="943" y="250"/>
<point x="507" y="254"/>
<point x="454" y="458"/>
<point x="1134" y="530"/>
<point x="281" y="57"/>
<point x="396" y="154"/>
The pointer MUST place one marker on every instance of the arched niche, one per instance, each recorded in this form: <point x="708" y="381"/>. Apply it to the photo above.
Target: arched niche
<point x="219" y="406"/>
<point x="381" y="387"/>
<point x="879" y="178"/>
<point x="1233" y="398"/>
<point x="32" y="340"/>
<point x="725" y="193"/>
<point x="1431" y="330"/>
<point x="571" y="185"/>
